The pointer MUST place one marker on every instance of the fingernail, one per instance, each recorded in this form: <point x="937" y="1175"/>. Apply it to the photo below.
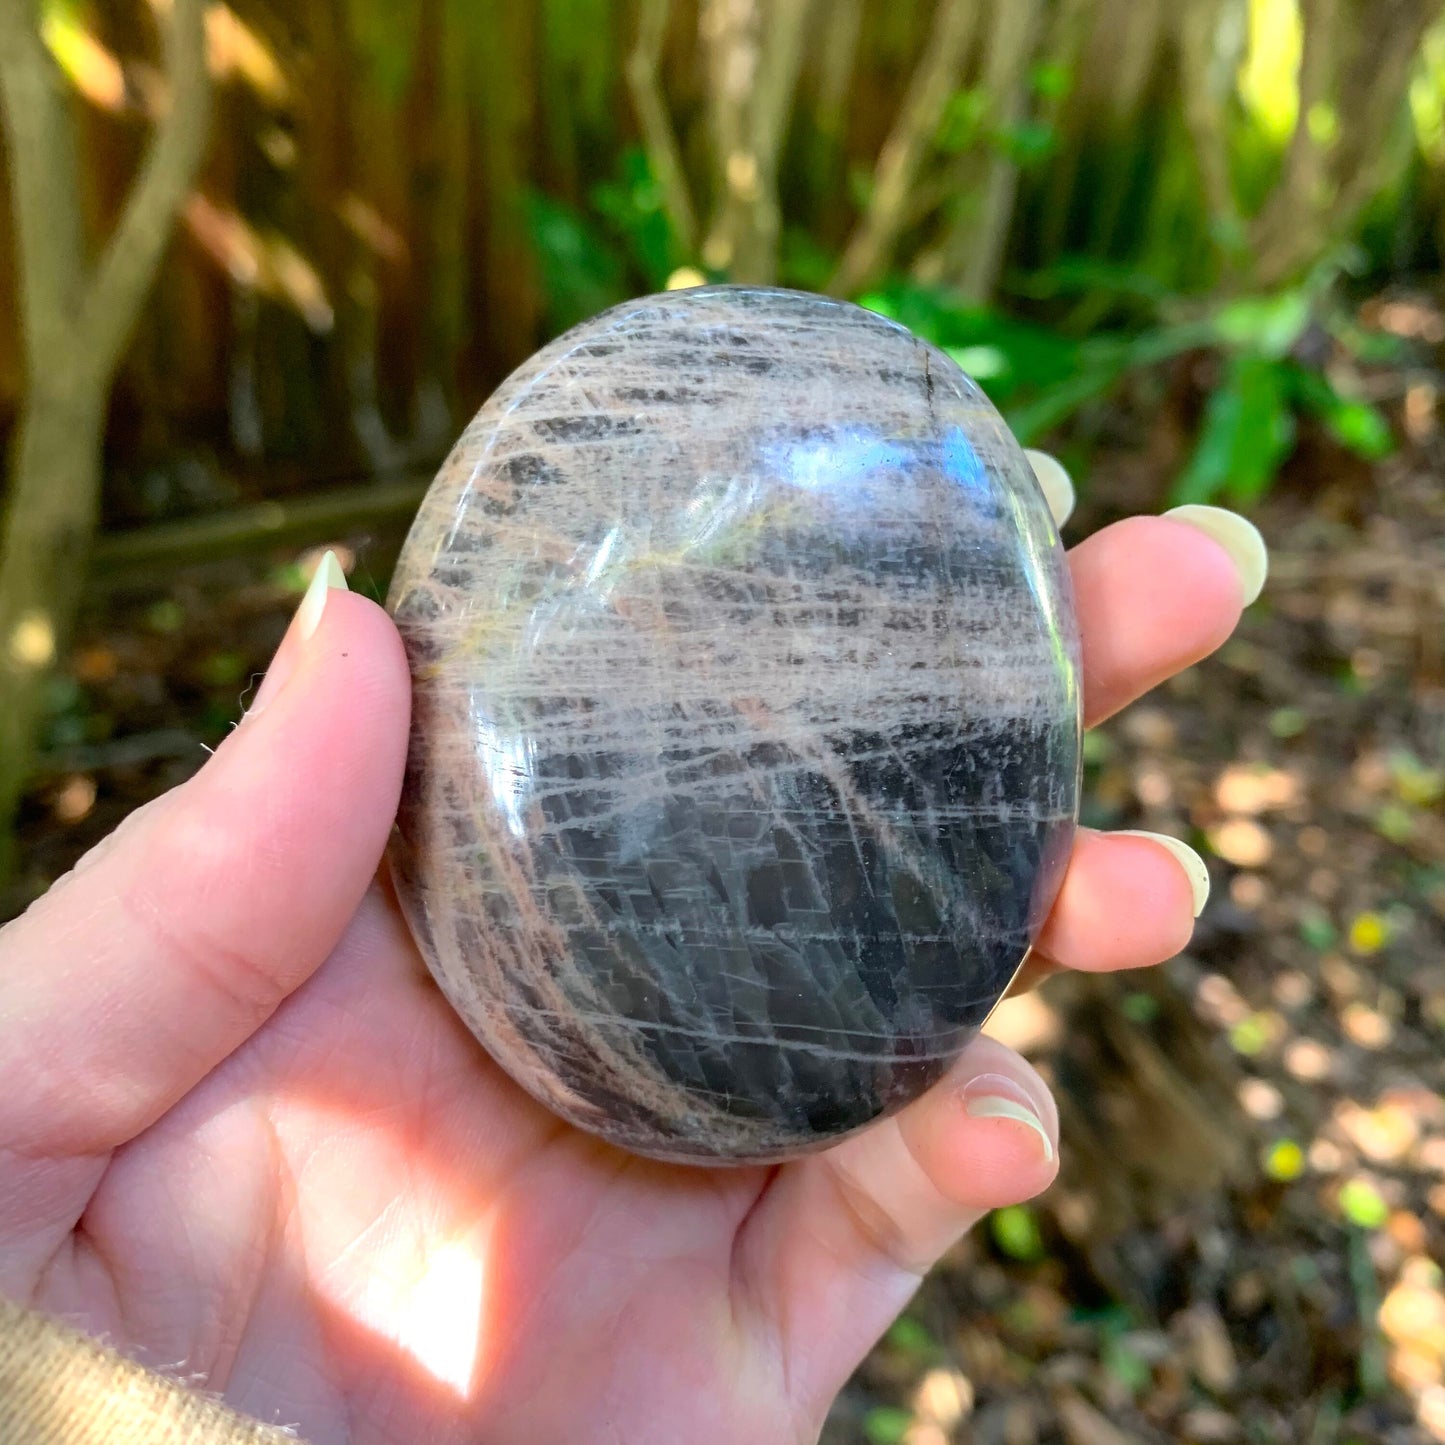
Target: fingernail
<point x="994" y="1096"/>
<point x="1238" y="536"/>
<point x="1190" y="861"/>
<point x="1054" y="481"/>
<point x="328" y="578"/>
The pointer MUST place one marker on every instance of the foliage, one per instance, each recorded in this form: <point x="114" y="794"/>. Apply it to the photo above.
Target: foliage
<point x="1273" y="354"/>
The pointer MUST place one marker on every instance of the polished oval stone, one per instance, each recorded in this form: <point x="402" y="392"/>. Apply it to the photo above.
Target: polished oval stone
<point x="745" y="749"/>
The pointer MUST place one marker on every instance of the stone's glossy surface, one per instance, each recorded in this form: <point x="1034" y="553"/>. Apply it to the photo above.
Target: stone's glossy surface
<point x="745" y="751"/>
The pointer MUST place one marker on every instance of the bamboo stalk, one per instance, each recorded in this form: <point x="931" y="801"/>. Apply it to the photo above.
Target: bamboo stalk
<point x="753" y="64"/>
<point x="836" y="67"/>
<point x="1357" y="54"/>
<point x="974" y="250"/>
<point x="728" y="30"/>
<point x="1069" y="35"/>
<point x="1204" y="82"/>
<point x="658" y="138"/>
<point x="899" y="162"/>
<point x="1298" y="199"/>
<point x="1125" y="84"/>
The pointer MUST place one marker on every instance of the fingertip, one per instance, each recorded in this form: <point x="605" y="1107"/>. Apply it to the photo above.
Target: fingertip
<point x="988" y="1135"/>
<point x="341" y="654"/>
<point x="1055" y="483"/>
<point x="1194" y="868"/>
<point x="1239" y="539"/>
<point x="1125" y="902"/>
<point x="1153" y="595"/>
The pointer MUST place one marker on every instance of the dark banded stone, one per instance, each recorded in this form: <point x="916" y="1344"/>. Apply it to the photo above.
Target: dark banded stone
<point x="745" y="751"/>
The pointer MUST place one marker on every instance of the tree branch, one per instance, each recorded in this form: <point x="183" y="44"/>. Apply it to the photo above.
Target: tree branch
<point x="50" y="240"/>
<point x="728" y="30"/>
<point x="128" y="265"/>
<point x="658" y="139"/>
<point x="1387" y="41"/>
<point x="752" y="76"/>
<point x="839" y="56"/>
<point x="976" y="246"/>
<point x="772" y="105"/>
<point x="1288" y="224"/>
<point x="907" y="146"/>
<point x="1204" y="85"/>
<point x="1357" y="54"/>
<point x="778" y="77"/>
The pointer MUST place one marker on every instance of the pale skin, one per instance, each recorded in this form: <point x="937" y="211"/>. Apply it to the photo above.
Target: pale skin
<point x="243" y="1138"/>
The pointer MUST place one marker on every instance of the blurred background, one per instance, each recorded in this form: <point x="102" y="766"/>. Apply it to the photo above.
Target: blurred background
<point x="260" y="262"/>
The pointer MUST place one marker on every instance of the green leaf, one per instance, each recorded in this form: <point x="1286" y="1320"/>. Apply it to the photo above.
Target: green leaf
<point x="982" y="363"/>
<point x="165" y="616"/>
<point x="1126" y="1366"/>
<point x="887" y="1425"/>
<point x="1250" y="1036"/>
<point x="1027" y="143"/>
<point x="1362" y="1205"/>
<point x="1097" y="368"/>
<point x="1355" y="424"/>
<point x="1248" y="431"/>
<point x="1140" y="1008"/>
<point x="804" y="262"/>
<point x="1288" y="722"/>
<point x="909" y="1337"/>
<point x="1396" y="822"/>
<point x="1058" y="403"/>
<point x="1089" y="276"/>
<point x="1284" y="1161"/>
<point x="581" y="275"/>
<point x="1051" y="80"/>
<point x="1415" y="782"/>
<point x="223" y="669"/>
<point x="963" y="120"/>
<point x="1269" y="325"/>
<point x="1016" y="1232"/>
<point x="1316" y="929"/>
<point x="631" y="204"/>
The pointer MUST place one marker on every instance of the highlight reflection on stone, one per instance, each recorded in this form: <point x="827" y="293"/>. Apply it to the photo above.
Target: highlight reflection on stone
<point x="744" y="758"/>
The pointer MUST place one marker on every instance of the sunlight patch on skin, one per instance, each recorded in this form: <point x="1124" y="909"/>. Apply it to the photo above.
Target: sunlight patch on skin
<point x="440" y="1321"/>
<point x="432" y="1308"/>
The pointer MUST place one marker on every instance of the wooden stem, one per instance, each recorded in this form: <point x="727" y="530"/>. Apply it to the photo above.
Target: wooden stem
<point x="871" y="247"/>
<point x="76" y="324"/>
<point x="658" y="138"/>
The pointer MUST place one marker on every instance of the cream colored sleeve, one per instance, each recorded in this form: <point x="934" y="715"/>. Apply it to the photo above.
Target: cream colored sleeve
<point x="59" y="1388"/>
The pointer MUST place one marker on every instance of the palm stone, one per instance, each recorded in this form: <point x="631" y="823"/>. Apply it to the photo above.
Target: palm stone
<point x="744" y="760"/>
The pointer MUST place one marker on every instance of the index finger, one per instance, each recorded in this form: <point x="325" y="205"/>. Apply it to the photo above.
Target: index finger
<point x="1153" y="596"/>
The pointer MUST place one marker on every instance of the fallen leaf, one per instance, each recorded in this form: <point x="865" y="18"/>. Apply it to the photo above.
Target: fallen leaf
<point x="1084" y="1425"/>
<point x="1241" y="841"/>
<point x="1211" y="1352"/>
<point x="1249" y="789"/>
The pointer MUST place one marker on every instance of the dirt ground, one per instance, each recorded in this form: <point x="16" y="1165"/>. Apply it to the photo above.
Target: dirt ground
<point x="1246" y="1241"/>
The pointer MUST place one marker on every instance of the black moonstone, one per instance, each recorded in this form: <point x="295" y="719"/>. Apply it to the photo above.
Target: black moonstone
<point x="745" y="751"/>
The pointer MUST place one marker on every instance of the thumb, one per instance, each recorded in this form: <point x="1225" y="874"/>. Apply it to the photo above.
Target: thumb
<point x="181" y="933"/>
<point x="842" y="1239"/>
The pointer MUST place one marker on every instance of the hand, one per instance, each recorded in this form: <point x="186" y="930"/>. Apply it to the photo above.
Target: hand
<point x="243" y="1138"/>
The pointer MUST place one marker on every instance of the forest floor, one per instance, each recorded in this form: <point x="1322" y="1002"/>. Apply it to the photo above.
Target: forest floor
<point x="1246" y="1241"/>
